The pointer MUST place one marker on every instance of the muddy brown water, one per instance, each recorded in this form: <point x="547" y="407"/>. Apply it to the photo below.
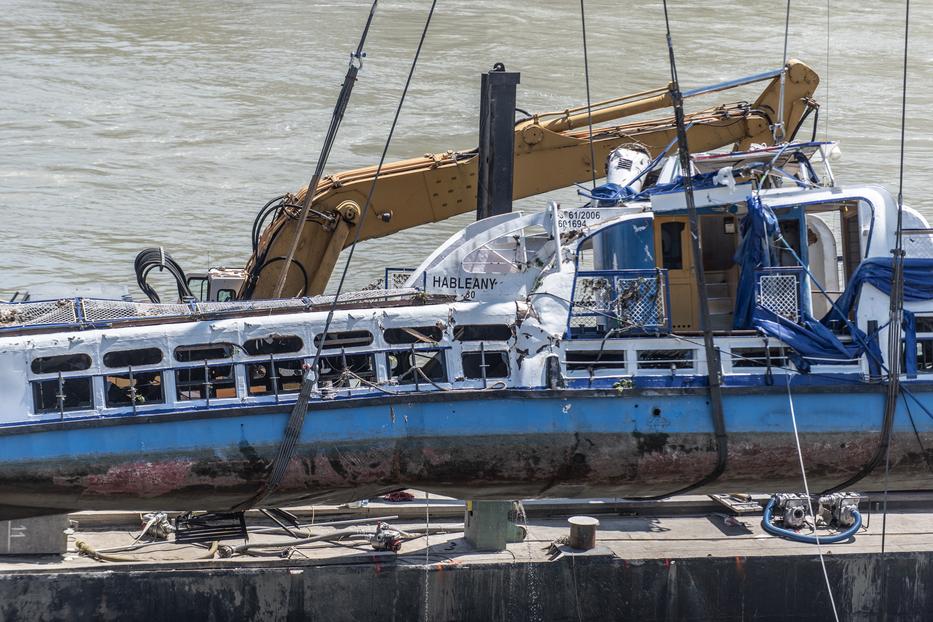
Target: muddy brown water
<point x="131" y="124"/>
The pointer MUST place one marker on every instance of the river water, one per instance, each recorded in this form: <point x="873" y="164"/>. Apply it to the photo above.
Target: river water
<point x="133" y="123"/>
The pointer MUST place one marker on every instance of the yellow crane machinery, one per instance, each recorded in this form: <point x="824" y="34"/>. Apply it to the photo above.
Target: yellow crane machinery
<point x="552" y="150"/>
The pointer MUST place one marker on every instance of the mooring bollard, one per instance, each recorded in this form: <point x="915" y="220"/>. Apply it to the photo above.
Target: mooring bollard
<point x="583" y="532"/>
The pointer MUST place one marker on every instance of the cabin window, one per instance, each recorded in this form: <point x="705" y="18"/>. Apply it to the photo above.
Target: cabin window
<point x="60" y="363"/>
<point x="585" y="360"/>
<point x="416" y="334"/>
<point x="924" y="355"/>
<point x="76" y="394"/>
<point x="672" y="251"/>
<point x="758" y="357"/>
<point x="496" y="363"/>
<point x="133" y="358"/>
<point x="191" y="384"/>
<point x="665" y="359"/>
<point x="144" y="388"/>
<point x="274" y="377"/>
<point x="274" y="344"/>
<point x="347" y="370"/>
<point x="204" y="352"/>
<point x="346" y="339"/>
<point x="417" y="366"/>
<point x="482" y="332"/>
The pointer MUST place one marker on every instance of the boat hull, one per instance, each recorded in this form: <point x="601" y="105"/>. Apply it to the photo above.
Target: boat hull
<point x="505" y="444"/>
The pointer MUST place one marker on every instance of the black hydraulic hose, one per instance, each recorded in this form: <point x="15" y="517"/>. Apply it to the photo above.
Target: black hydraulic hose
<point x="151" y="258"/>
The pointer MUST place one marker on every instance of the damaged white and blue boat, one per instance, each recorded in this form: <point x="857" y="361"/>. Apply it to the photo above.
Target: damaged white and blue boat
<point x="556" y="353"/>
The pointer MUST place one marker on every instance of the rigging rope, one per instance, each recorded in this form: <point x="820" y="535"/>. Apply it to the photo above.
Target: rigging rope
<point x="297" y="416"/>
<point x="806" y="488"/>
<point x="589" y="106"/>
<point x="826" y="125"/>
<point x="779" y="124"/>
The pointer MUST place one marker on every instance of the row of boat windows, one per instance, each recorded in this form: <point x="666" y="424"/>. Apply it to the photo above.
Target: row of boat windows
<point x="275" y="377"/>
<point x="266" y="346"/>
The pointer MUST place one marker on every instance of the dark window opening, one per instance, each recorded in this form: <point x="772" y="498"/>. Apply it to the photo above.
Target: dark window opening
<point x="134" y="358"/>
<point x="924" y="355"/>
<point x="482" y="332"/>
<point x="665" y="359"/>
<point x="148" y="387"/>
<point x="226" y="295"/>
<point x="346" y="339"/>
<point x="415" y="334"/>
<point x="274" y="344"/>
<point x="203" y="352"/>
<point x="60" y="363"/>
<point x="404" y="366"/>
<point x="190" y="383"/>
<point x="672" y="253"/>
<point x="347" y="371"/>
<point x="594" y="359"/>
<point x="497" y="364"/>
<point x="77" y="394"/>
<point x="274" y="377"/>
<point x="758" y="357"/>
<point x="924" y="324"/>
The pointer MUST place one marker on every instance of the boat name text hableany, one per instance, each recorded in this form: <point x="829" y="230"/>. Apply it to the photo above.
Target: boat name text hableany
<point x="463" y="282"/>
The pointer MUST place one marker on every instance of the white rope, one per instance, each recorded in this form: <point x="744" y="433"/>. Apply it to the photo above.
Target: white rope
<point x="806" y="488"/>
<point x="826" y="107"/>
<point x="779" y="123"/>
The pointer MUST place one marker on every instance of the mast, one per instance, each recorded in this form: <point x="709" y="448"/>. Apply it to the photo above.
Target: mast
<point x="713" y="366"/>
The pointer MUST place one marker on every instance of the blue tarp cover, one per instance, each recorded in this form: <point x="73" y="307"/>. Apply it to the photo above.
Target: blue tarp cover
<point x="878" y="271"/>
<point x="757" y="229"/>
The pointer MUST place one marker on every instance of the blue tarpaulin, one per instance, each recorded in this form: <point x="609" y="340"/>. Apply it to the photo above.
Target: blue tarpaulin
<point x="878" y="271"/>
<point x="758" y="228"/>
<point x="810" y="339"/>
<point x="815" y="343"/>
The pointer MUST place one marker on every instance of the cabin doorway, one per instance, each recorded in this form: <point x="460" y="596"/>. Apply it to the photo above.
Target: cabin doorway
<point x="719" y="237"/>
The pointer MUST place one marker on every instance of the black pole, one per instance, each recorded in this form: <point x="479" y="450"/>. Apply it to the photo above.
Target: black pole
<point x="496" y="142"/>
<point x="713" y="366"/>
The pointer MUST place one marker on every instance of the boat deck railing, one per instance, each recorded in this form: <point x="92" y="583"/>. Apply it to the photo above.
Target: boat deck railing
<point x="85" y="313"/>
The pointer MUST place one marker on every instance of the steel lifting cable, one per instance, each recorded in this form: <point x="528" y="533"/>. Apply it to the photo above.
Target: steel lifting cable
<point x="589" y="106"/>
<point x="297" y="416"/>
<point x="356" y="62"/>
<point x="713" y="367"/>
<point x="779" y="124"/>
<point x="897" y="312"/>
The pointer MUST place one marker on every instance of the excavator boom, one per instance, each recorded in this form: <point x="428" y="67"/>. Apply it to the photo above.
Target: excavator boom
<point x="552" y="151"/>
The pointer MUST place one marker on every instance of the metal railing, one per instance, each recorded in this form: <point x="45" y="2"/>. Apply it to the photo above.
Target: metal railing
<point x="781" y="291"/>
<point x="620" y="303"/>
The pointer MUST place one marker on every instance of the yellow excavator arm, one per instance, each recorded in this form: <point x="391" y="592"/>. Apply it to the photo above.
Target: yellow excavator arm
<point x="552" y="151"/>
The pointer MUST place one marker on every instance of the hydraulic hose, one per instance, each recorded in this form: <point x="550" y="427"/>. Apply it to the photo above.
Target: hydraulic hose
<point x="798" y="537"/>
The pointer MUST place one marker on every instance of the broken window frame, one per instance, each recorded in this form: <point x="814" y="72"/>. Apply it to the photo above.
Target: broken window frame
<point x="206" y="386"/>
<point x="276" y="385"/>
<point x="412" y="377"/>
<point x="59" y="387"/>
